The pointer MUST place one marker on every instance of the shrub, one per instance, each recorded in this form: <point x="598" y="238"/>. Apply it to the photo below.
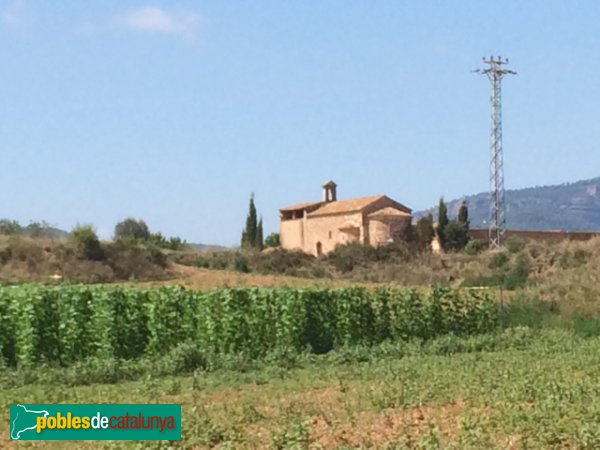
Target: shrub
<point x="173" y="243"/>
<point x="220" y="260"/>
<point x="572" y="259"/>
<point x="156" y="256"/>
<point x="483" y="281"/>
<point x="185" y="358"/>
<point x="85" y="271"/>
<point x="272" y="240"/>
<point x="395" y="251"/>
<point x="522" y="311"/>
<point x="579" y="256"/>
<point x="498" y="260"/>
<point x="473" y="246"/>
<point x="176" y="243"/>
<point x="585" y="325"/>
<point x="282" y="261"/>
<point x="24" y="250"/>
<point x="157" y="239"/>
<point x="515" y="244"/>
<point x="517" y="276"/>
<point x="132" y="260"/>
<point x="210" y="260"/>
<point x="86" y="243"/>
<point x="5" y="255"/>
<point x="508" y="276"/>
<point x="201" y="262"/>
<point x="240" y="263"/>
<point x="345" y="257"/>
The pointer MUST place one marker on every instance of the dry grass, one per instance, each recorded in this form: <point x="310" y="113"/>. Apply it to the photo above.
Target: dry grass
<point x="199" y="278"/>
<point x="567" y="272"/>
<point x="32" y="259"/>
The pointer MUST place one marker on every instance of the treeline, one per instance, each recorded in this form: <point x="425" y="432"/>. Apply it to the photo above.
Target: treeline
<point x="34" y="229"/>
<point x="137" y="230"/>
<point x="135" y="252"/>
<point x="450" y="234"/>
<point x="130" y="235"/>
<point x="128" y="229"/>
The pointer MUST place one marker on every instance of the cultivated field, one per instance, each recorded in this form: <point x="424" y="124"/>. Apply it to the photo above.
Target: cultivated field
<point x="311" y="368"/>
<point x="521" y="388"/>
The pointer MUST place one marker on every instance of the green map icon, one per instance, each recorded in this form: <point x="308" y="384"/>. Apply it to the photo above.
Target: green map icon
<point x="23" y="419"/>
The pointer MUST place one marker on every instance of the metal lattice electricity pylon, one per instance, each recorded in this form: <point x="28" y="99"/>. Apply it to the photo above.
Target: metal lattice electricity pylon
<point x="497" y="223"/>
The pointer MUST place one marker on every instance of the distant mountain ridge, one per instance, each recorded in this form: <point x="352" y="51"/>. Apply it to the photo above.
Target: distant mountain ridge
<point x="568" y="206"/>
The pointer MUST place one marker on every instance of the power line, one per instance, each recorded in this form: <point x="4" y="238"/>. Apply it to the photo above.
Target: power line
<point x="497" y="223"/>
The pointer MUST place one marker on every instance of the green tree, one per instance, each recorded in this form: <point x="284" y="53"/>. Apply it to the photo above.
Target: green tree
<point x="455" y="235"/>
<point x="176" y="243"/>
<point x="172" y="243"/>
<point x="37" y="229"/>
<point x="463" y="215"/>
<point x="158" y="239"/>
<point x="258" y="243"/>
<point x="86" y="243"/>
<point x="456" y="232"/>
<point x="272" y="240"/>
<point x="442" y="221"/>
<point x="10" y="227"/>
<point x="249" y="234"/>
<point x="424" y="231"/>
<point x="132" y="229"/>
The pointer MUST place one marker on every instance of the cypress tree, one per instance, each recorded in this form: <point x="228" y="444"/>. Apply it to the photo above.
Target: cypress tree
<point x="463" y="215"/>
<point x="258" y="244"/>
<point x="249" y="235"/>
<point x="461" y="231"/>
<point x="442" y="221"/>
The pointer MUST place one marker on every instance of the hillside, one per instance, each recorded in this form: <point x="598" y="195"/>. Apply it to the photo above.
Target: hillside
<point x="208" y="247"/>
<point x="34" y="229"/>
<point x="570" y="206"/>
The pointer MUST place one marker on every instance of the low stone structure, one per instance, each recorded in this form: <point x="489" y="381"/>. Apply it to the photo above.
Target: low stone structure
<point x="317" y="227"/>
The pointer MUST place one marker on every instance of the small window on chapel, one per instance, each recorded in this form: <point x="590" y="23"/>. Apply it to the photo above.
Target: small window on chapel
<point x="330" y="235"/>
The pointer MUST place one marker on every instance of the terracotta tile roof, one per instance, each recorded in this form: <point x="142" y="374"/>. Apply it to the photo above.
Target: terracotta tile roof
<point x="389" y="211"/>
<point x="352" y="204"/>
<point x="349" y="226"/>
<point x="301" y="205"/>
<point x="349" y="205"/>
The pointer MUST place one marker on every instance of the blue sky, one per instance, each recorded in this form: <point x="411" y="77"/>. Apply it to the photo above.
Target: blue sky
<point x="176" y="111"/>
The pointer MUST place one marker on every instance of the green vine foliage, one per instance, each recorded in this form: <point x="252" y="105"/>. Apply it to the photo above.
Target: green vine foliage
<point x="62" y="325"/>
